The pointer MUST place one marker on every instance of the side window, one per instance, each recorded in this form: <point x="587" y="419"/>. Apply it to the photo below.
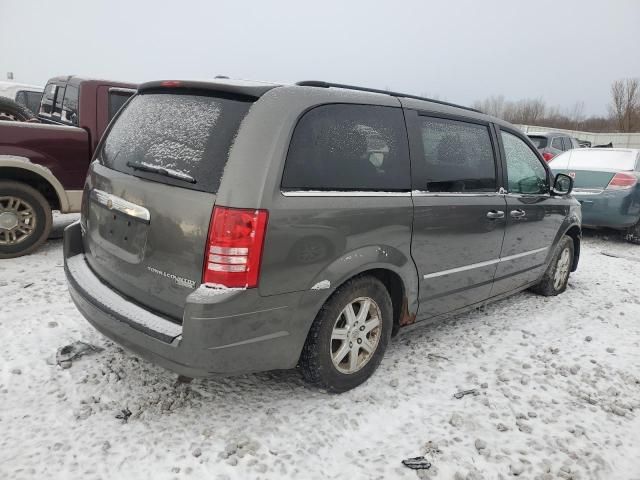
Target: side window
<point x="116" y="100"/>
<point x="458" y="156"/>
<point x="70" y="105"/>
<point x="349" y="147"/>
<point x="557" y="143"/>
<point x="46" y="107"/>
<point x="525" y="172"/>
<point x="57" y="107"/>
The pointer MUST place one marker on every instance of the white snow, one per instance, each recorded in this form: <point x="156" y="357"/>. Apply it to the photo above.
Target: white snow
<point x="558" y="380"/>
<point x="207" y="291"/>
<point x="106" y="296"/>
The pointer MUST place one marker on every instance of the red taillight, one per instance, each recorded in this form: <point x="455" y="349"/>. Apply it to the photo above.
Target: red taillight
<point x="234" y="247"/>
<point x="622" y="180"/>
<point x="171" y="83"/>
<point x="547" y="156"/>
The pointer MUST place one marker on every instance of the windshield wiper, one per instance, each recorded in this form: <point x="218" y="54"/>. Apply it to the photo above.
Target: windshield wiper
<point x="167" y="172"/>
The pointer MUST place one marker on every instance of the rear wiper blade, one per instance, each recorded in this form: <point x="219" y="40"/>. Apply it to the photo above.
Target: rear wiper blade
<point x="167" y="172"/>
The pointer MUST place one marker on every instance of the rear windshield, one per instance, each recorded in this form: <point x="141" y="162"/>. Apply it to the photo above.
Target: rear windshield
<point x="538" y="142"/>
<point x="179" y="139"/>
<point x="595" y="159"/>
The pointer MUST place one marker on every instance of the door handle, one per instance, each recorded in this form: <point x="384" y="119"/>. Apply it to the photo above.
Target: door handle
<point x="495" y="214"/>
<point x="517" y="213"/>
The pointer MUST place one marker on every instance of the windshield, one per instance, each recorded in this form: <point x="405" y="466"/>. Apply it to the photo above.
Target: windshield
<point x="180" y="139"/>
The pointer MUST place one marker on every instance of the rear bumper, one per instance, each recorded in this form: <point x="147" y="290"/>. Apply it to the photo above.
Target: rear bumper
<point x="613" y="209"/>
<point x="223" y="332"/>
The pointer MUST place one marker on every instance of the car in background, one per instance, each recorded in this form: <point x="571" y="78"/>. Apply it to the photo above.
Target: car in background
<point x="606" y="184"/>
<point x="28" y="96"/>
<point x="550" y="144"/>
<point x="44" y="159"/>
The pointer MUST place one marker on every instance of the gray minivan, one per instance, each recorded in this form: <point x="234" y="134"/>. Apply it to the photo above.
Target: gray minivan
<point x="231" y="227"/>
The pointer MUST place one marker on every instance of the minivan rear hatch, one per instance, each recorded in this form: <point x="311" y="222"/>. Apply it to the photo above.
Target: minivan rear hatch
<point x="150" y="196"/>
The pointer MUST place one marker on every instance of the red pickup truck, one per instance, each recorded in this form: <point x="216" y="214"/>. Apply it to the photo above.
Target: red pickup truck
<point x="43" y="164"/>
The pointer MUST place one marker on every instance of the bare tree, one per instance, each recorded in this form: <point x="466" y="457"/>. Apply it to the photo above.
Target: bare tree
<point x="625" y="111"/>
<point x="527" y="112"/>
<point x="625" y="103"/>
<point x="491" y="106"/>
<point x="576" y="115"/>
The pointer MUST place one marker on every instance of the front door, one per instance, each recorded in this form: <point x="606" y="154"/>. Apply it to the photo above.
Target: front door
<point x="533" y="215"/>
<point x="459" y="216"/>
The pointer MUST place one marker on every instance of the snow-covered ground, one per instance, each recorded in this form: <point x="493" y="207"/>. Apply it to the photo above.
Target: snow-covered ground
<point x="559" y="383"/>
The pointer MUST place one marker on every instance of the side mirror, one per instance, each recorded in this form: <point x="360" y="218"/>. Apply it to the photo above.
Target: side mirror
<point x="562" y="184"/>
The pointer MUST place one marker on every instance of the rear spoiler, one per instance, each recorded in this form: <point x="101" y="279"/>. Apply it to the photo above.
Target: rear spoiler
<point x="232" y="87"/>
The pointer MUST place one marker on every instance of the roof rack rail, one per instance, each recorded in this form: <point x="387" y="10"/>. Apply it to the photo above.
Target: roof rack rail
<point x="321" y="84"/>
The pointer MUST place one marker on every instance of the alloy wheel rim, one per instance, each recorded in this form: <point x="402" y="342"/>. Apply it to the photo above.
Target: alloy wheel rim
<point x="355" y="335"/>
<point x="562" y="269"/>
<point x="17" y="220"/>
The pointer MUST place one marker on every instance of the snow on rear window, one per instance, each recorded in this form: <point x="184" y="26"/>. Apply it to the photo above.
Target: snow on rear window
<point x="595" y="159"/>
<point x="187" y="135"/>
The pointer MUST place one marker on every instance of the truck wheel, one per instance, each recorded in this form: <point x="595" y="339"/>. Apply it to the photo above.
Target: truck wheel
<point x="12" y="111"/>
<point x="555" y="279"/>
<point x="633" y="234"/>
<point x="349" y="336"/>
<point x="25" y="219"/>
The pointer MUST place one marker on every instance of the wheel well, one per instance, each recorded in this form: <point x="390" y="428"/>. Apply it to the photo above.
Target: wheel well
<point x="576" y="234"/>
<point x="396" y="289"/>
<point x="33" y="180"/>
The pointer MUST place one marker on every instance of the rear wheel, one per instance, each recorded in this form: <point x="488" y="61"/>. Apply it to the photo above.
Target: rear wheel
<point x="349" y="336"/>
<point x="556" y="278"/>
<point x="25" y="219"/>
<point x="633" y="234"/>
<point x="12" y="111"/>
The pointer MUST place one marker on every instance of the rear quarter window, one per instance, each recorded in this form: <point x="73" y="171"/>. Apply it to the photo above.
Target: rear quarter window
<point x="186" y="135"/>
<point x="343" y="147"/>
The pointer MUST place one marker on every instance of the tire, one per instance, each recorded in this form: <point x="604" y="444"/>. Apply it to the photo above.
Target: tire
<point x="12" y="111"/>
<point x="14" y="242"/>
<point x="633" y="234"/>
<point x="316" y="361"/>
<point x="556" y="277"/>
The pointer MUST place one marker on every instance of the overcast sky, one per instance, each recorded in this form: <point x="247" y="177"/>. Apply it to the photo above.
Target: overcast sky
<point x="459" y="50"/>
